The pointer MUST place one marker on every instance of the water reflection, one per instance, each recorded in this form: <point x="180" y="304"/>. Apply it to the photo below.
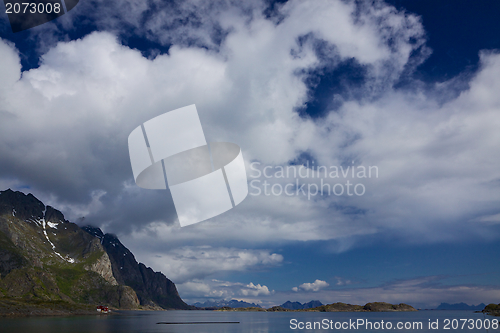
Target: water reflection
<point x="249" y="322"/>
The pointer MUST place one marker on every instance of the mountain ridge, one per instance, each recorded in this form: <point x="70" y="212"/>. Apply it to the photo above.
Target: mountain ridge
<point x="46" y="258"/>
<point x="223" y="303"/>
<point x="460" y="306"/>
<point x="299" y="306"/>
<point x="152" y="288"/>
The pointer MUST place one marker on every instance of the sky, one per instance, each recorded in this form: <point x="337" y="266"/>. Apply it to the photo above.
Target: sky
<point x="397" y="100"/>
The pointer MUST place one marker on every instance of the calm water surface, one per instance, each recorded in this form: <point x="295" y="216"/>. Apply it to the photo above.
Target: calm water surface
<point x="146" y="321"/>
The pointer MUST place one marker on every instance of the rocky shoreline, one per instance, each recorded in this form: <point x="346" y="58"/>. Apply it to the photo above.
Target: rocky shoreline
<point x="12" y="307"/>
<point x="20" y="308"/>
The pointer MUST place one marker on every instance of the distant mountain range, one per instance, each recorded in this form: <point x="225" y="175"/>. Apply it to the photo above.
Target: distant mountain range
<point x="337" y="307"/>
<point x="460" y="306"/>
<point x="235" y="304"/>
<point x="299" y="306"/>
<point x="219" y="304"/>
<point x="45" y="258"/>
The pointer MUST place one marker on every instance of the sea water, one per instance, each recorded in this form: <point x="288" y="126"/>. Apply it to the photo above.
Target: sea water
<point x="253" y="322"/>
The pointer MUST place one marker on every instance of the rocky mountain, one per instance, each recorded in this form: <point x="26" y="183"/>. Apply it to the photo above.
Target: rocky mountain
<point x="220" y="304"/>
<point x="45" y="258"/>
<point x="299" y="306"/>
<point x="460" y="306"/>
<point x="152" y="288"/>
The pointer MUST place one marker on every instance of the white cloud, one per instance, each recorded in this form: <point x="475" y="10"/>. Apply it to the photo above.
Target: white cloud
<point x="197" y="262"/>
<point x="255" y="290"/>
<point x="493" y="219"/>
<point x="342" y="282"/>
<point x="64" y="126"/>
<point x="315" y="286"/>
<point x="10" y="68"/>
<point x="199" y="290"/>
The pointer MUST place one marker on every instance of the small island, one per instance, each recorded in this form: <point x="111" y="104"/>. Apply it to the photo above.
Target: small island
<point x="492" y="309"/>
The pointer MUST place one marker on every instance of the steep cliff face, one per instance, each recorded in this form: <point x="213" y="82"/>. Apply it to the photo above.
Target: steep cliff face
<point x="10" y="256"/>
<point x="45" y="257"/>
<point x="102" y="266"/>
<point x="152" y="288"/>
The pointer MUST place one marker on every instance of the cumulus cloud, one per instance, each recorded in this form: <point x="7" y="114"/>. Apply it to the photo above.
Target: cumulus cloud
<point x="64" y="128"/>
<point x="201" y="290"/>
<point x="315" y="286"/>
<point x="87" y="95"/>
<point x="255" y="290"/>
<point x="197" y="262"/>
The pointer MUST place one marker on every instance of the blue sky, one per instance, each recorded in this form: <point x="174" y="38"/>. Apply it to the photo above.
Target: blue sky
<point x="407" y="86"/>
